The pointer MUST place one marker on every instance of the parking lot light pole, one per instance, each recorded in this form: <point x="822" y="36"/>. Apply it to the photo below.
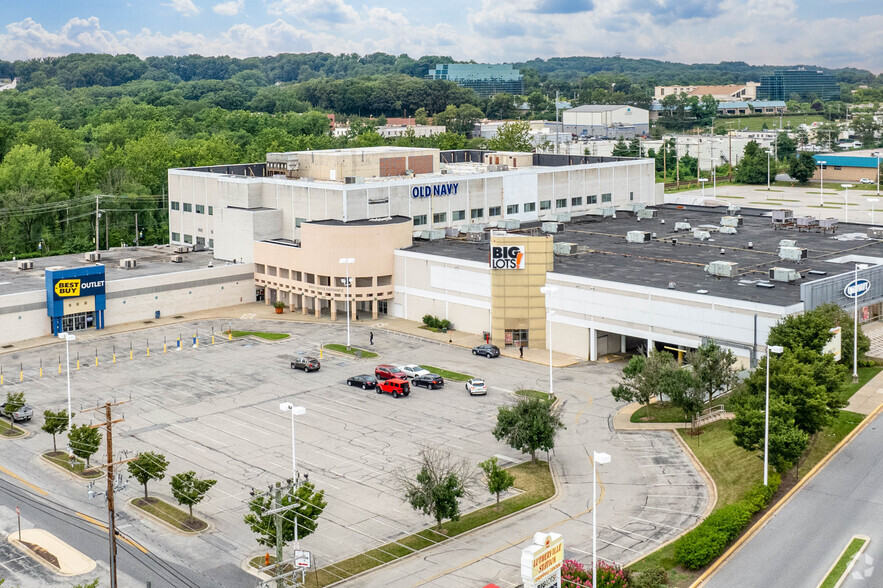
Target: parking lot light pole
<point x="295" y="411"/>
<point x="822" y="189"/>
<point x="346" y="261"/>
<point x="858" y="266"/>
<point x="597" y="458"/>
<point x="877" y="155"/>
<point x="873" y="201"/>
<point x="702" y="182"/>
<point x="846" y="200"/>
<point x="67" y="346"/>
<point x="549" y="291"/>
<point x="766" y="413"/>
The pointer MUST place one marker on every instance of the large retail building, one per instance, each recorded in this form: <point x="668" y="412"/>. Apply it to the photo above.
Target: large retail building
<point x="522" y="247"/>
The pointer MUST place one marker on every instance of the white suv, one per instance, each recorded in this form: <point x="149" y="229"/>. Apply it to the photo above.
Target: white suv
<point x="865" y="181"/>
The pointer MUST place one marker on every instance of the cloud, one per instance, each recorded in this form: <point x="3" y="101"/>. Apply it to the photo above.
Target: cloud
<point x="323" y="11"/>
<point x="231" y="8"/>
<point x="185" y="7"/>
<point x="563" y="6"/>
<point x="672" y="10"/>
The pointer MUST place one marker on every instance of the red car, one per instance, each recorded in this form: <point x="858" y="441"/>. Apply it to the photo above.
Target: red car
<point x="386" y="372"/>
<point x="398" y="387"/>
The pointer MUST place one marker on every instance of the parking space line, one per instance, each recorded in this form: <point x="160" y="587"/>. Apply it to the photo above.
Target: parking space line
<point x="657" y="524"/>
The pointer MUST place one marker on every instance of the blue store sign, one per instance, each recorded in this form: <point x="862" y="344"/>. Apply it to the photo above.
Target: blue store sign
<point x="79" y="282"/>
<point x="449" y="189"/>
<point x="857" y="288"/>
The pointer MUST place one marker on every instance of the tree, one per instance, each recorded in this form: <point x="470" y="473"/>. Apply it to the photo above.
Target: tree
<point x="308" y="507"/>
<point x="646" y="377"/>
<point x="785" y="146"/>
<point x="421" y="117"/>
<point x="812" y="330"/>
<point x="501" y="105"/>
<point x="55" y="423"/>
<point x="802" y="168"/>
<point x="84" y="441"/>
<point x="14" y="401"/>
<point x="752" y="168"/>
<point x="439" y="485"/>
<point x="188" y="490"/>
<point x="712" y="368"/>
<point x="512" y="136"/>
<point x="620" y="149"/>
<point x="866" y="127"/>
<point x="635" y="148"/>
<point x="786" y="441"/>
<point x="148" y="466"/>
<point x="498" y="480"/>
<point x="529" y="426"/>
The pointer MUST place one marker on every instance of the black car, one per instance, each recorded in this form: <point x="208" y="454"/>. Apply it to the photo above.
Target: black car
<point x="365" y="381"/>
<point x="307" y="364"/>
<point x="431" y="381"/>
<point x="486" y="350"/>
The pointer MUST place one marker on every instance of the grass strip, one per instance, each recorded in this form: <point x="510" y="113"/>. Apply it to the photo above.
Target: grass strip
<point x="446" y="374"/>
<point x="851" y="550"/>
<point x="865" y="374"/>
<point x="174" y="516"/>
<point x="76" y="467"/>
<point x="535" y="394"/>
<point x="10" y="430"/>
<point x="267" y="336"/>
<point x="350" y="350"/>
<point x="535" y="481"/>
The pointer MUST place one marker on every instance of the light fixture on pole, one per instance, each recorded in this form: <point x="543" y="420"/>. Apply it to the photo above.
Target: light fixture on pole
<point x="702" y="181"/>
<point x="549" y="291"/>
<point x="822" y="189"/>
<point x="873" y="201"/>
<point x="597" y="458"/>
<point x="295" y="411"/>
<point x="767" y="169"/>
<point x="856" y="293"/>
<point x="846" y="200"/>
<point x="67" y="342"/>
<point x="766" y="413"/>
<point x="877" y="155"/>
<point x="346" y="261"/>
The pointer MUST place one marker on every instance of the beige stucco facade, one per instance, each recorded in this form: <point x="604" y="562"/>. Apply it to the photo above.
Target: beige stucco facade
<point x="309" y="277"/>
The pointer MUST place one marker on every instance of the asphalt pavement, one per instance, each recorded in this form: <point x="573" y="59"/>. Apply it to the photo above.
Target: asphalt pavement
<point x="805" y="537"/>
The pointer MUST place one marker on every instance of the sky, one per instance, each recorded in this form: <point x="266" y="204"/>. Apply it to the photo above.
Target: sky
<point x="828" y="33"/>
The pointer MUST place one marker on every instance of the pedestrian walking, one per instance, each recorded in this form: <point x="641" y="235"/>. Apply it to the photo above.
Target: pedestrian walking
<point x="521" y="350"/>
<point x="371" y="337"/>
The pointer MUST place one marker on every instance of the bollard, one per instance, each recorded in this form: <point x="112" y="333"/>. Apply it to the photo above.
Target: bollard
<point x="164" y="344"/>
<point x="213" y="339"/>
<point x="131" y="352"/>
<point x="21" y="372"/>
<point x="78" y="360"/>
<point x="59" y="365"/>
<point x="230" y="335"/>
<point x="96" y="357"/>
<point x="114" y="353"/>
<point x="41" y="367"/>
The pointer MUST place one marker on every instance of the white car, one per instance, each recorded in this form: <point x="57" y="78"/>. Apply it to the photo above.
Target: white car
<point x="476" y="387"/>
<point x="412" y="371"/>
<point x="866" y="181"/>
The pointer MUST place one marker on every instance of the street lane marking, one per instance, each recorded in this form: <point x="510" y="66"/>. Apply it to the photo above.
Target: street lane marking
<point x="101" y="525"/>
<point x="23" y="481"/>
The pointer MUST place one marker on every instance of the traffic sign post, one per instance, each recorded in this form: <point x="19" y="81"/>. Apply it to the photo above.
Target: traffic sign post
<point x="18" y="514"/>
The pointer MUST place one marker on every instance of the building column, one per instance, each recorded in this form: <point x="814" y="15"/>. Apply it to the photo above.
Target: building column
<point x="622" y="343"/>
<point x="266" y="295"/>
<point x="317" y="306"/>
<point x="354" y="311"/>
<point x="292" y="301"/>
<point x="374" y="309"/>
<point x="333" y="309"/>
<point x="303" y="304"/>
<point x="593" y="345"/>
<point x="649" y="346"/>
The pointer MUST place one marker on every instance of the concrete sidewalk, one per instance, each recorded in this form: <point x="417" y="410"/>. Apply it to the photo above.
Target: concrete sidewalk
<point x="622" y="420"/>
<point x="257" y="310"/>
<point x="868" y="397"/>
<point x="54" y="553"/>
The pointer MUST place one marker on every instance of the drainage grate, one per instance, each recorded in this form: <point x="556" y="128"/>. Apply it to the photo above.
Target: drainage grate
<point x="8" y="346"/>
<point x="179" y="316"/>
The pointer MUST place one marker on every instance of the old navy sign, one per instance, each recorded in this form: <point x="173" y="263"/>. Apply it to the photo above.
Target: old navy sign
<point x="857" y="288"/>
<point x="449" y="189"/>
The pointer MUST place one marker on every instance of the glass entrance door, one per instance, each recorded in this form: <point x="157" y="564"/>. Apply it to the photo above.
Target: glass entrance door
<point x="76" y="321"/>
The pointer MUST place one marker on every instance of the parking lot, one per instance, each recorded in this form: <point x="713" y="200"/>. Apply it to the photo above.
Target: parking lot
<point x="215" y="409"/>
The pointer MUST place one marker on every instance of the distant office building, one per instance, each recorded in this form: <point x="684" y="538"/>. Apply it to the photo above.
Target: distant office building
<point x="741" y="108"/>
<point x="726" y="93"/>
<point x="785" y="84"/>
<point x="485" y="79"/>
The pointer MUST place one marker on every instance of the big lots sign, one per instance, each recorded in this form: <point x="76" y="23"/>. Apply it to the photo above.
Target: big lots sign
<point x="507" y="257"/>
<point x="541" y="562"/>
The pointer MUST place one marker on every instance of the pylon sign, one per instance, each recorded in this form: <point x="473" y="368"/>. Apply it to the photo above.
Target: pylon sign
<point x="541" y="562"/>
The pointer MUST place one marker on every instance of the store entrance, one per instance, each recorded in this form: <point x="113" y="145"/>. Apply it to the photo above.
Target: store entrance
<point x="77" y="321"/>
<point x="516" y="337"/>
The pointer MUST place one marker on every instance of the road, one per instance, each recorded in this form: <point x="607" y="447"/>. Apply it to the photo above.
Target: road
<point x="803" y="539"/>
<point x="134" y="567"/>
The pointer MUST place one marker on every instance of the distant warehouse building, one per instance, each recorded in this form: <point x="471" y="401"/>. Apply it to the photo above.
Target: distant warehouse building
<point x="800" y="83"/>
<point x="603" y="120"/>
<point x="485" y="79"/>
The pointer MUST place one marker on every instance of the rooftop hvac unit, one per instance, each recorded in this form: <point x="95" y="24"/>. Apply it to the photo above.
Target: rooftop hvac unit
<point x="702" y="235"/>
<point x="828" y="223"/>
<point x="806" y="222"/>
<point x="182" y="249"/>
<point x="726" y="269"/>
<point x="683" y="227"/>
<point x="647" y="213"/>
<point x="451" y="232"/>
<point x="509" y="223"/>
<point x="728" y="230"/>
<point x="636" y="206"/>
<point x="444" y="171"/>
<point x="787" y="243"/>
<point x="432" y="235"/>
<point x="177" y="258"/>
<point x="731" y="221"/>
<point x="93" y="256"/>
<point x="128" y="263"/>
<point x="199" y="247"/>
<point x="782" y="215"/>
<point x="732" y="209"/>
<point x="637" y="237"/>
<point x="564" y="248"/>
<point x="608" y="211"/>
<point x="552" y="227"/>
<point x="875" y="232"/>
<point x="562" y="217"/>
<point x="784" y="274"/>
<point x="792" y="253"/>
<point x="26" y="265"/>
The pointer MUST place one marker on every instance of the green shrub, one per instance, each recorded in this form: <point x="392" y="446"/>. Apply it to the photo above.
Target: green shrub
<point x="867" y="362"/>
<point x="702" y="545"/>
<point x="759" y="496"/>
<point x="651" y="578"/>
<point x="433" y="322"/>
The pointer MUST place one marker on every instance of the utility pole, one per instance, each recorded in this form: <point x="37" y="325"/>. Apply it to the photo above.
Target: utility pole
<point x="277" y="503"/>
<point x="97" y="216"/>
<point x="111" y="523"/>
<point x="136" y="229"/>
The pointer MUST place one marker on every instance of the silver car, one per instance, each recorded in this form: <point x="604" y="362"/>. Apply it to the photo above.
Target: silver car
<point x="476" y="387"/>
<point x="22" y="414"/>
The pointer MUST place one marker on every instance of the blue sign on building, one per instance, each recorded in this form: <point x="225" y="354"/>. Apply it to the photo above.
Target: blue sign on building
<point x="448" y="189"/>
<point x="75" y="298"/>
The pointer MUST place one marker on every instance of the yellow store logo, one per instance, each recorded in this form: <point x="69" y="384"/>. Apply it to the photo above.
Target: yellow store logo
<point x="67" y="288"/>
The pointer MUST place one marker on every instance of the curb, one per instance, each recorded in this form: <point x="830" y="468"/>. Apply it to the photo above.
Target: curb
<point x="25" y="434"/>
<point x="419" y="552"/>
<point x="851" y="563"/>
<point x="68" y="472"/>
<point x="761" y="523"/>
<point x="171" y="527"/>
